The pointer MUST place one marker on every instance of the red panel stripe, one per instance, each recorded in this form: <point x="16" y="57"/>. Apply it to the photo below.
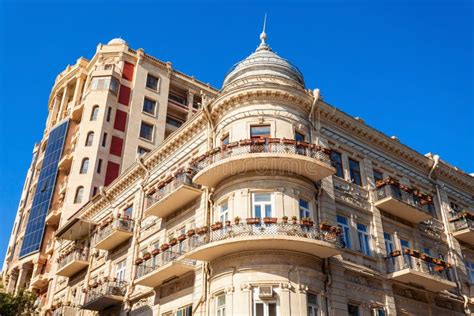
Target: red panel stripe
<point x="116" y="146"/>
<point x="112" y="172"/>
<point x="124" y="95"/>
<point x="128" y="71"/>
<point x="120" y="120"/>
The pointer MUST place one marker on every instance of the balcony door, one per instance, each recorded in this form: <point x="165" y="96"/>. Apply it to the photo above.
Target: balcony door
<point x="262" y="205"/>
<point x="406" y="257"/>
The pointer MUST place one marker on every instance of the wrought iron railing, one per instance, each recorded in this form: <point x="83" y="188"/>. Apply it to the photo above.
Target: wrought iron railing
<point x="274" y="229"/>
<point x="122" y="224"/>
<point x="407" y="261"/>
<point x="395" y="192"/>
<point x="81" y="254"/>
<point x="115" y="288"/>
<point x="259" y="146"/>
<point x="461" y="223"/>
<point x="178" y="180"/>
<point x="174" y="253"/>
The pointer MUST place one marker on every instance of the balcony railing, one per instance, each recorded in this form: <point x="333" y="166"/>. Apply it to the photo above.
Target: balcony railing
<point x="177" y="192"/>
<point x="461" y="223"/>
<point x="79" y="254"/>
<point x="403" y="196"/>
<point x="462" y="227"/>
<point x="284" y="155"/>
<point x="114" y="233"/>
<point x="106" y="294"/>
<point x="413" y="268"/>
<point x="260" y="236"/>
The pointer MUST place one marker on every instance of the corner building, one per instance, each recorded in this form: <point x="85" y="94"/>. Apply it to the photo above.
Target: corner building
<point x="264" y="201"/>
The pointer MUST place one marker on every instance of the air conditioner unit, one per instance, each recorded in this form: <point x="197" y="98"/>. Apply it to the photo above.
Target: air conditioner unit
<point x="265" y="292"/>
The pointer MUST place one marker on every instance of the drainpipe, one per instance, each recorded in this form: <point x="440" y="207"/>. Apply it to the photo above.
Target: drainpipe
<point x="136" y="235"/>
<point x="207" y="115"/>
<point x="313" y="107"/>
<point x="327" y="283"/>
<point x="435" y="159"/>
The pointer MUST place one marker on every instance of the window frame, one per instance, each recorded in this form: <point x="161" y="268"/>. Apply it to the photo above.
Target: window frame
<point x="94" y="113"/>
<point x="363" y="236"/>
<point x="148" y="75"/>
<point x="262" y="204"/>
<point x="337" y="164"/>
<point x="84" y="165"/>
<point x="89" y="139"/>
<point x="345" y="230"/>
<point x="121" y="269"/>
<point x="302" y="209"/>
<point x="220" y="308"/>
<point x="355" y="172"/>
<point x="269" y="135"/>
<point x="154" y="102"/>
<point x="152" y="131"/>
<point x="79" y="195"/>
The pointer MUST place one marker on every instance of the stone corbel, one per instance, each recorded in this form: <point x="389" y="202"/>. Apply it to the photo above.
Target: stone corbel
<point x="286" y="286"/>
<point x="229" y="290"/>
<point x="303" y="288"/>
<point x="245" y="287"/>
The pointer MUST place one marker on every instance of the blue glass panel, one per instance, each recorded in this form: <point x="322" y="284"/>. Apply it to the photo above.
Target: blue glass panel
<point x="44" y="190"/>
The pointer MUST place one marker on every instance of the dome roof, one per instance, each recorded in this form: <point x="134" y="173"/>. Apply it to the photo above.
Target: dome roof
<point x="117" y="41"/>
<point x="264" y="62"/>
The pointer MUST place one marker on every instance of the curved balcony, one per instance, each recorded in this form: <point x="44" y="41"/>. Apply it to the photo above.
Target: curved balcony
<point x="53" y="217"/>
<point x="401" y="201"/>
<point x="107" y="294"/>
<point x="278" y="236"/>
<point x="410" y="269"/>
<point x="166" y="265"/>
<point x="113" y="234"/>
<point x="66" y="161"/>
<point x="171" y="195"/>
<point x="262" y="155"/>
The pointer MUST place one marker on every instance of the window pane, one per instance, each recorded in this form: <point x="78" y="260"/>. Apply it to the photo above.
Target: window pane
<point x="263" y="197"/>
<point x="260" y="131"/>
<point x="149" y="106"/>
<point x="336" y="159"/>
<point x="272" y="309"/>
<point x="152" y="82"/>
<point x="146" y="131"/>
<point x="259" y="309"/>
<point x="299" y="137"/>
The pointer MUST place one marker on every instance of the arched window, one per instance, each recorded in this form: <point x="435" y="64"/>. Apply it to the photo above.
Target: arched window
<point x="90" y="138"/>
<point x="84" y="165"/>
<point x="79" y="194"/>
<point x="94" y="113"/>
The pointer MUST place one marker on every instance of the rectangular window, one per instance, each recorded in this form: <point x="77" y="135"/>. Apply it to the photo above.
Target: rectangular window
<point x="176" y="98"/>
<point x="104" y="140"/>
<point x="105" y="83"/>
<point x="185" y="311"/>
<point x="114" y="85"/>
<point x="343" y="223"/>
<point x="220" y="305"/>
<point x="388" y="243"/>
<point x="378" y="176"/>
<point x="336" y="159"/>
<point x="352" y="310"/>
<point x="354" y="170"/>
<point x="224" y="212"/>
<point x="99" y="165"/>
<point x="173" y="122"/>
<point x="142" y="151"/>
<point x="149" y="106"/>
<point x="300" y="137"/>
<point x="120" y="268"/>
<point x="470" y="271"/>
<point x="312" y="304"/>
<point x="152" y="82"/>
<point x="265" y="309"/>
<point x="364" y="239"/>
<point x="225" y="139"/>
<point x="406" y="258"/>
<point x="262" y="205"/>
<point x="128" y="211"/>
<point x="304" y="209"/>
<point x="260" y="131"/>
<point x="109" y="113"/>
<point x="146" y="131"/>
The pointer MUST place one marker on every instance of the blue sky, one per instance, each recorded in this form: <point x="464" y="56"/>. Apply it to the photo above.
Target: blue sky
<point x="405" y="67"/>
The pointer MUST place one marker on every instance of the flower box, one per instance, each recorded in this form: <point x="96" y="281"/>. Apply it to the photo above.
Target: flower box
<point x="146" y="256"/>
<point x="395" y="253"/>
<point x="237" y="220"/>
<point x="270" y="220"/>
<point x="245" y="142"/>
<point x="285" y="219"/>
<point x="439" y="268"/>
<point x="155" y="252"/>
<point x="273" y="140"/>
<point x="232" y="144"/>
<point x="165" y="247"/>
<point x="201" y="230"/>
<point x="288" y="141"/>
<point x="191" y="232"/>
<point x="173" y="241"/>
<point x="181" y="237"/>
<point x="324" y="226"/>
<point x="424" y="257"/>
<point x="294" y="220"/>
<point x="216" y="226"/>
<point x="253" y="220"/>
<point x="259" y="141"/>
<point x="227" y="223"/>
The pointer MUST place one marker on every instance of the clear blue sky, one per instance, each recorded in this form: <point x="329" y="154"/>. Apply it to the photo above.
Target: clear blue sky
<point x="407" y="69"/>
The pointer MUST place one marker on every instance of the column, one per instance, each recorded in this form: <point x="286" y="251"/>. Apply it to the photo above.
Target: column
<point x="345" y="165"/>
<point x="190" y="103"/>
<point x="77" y="89"/>
<point x="63" y="101"/>
<point x="13" y="281"/>
<point x="245" y="300"/>
<point x="229" y="300"/>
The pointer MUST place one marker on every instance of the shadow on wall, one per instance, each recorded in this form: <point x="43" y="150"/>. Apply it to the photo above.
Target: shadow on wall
<point x="142" y="311"/>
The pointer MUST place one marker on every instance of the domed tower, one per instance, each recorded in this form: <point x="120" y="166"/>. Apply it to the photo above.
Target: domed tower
<point x="262" y="166"/>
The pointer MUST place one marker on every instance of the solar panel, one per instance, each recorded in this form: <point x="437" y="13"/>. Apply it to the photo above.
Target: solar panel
<point x="44" y="190"/>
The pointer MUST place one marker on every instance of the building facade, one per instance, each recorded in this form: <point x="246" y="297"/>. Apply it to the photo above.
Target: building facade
<point x="152" y="193"/>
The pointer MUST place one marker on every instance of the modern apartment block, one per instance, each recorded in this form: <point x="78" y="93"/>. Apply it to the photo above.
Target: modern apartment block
<point x="152" y="193"/>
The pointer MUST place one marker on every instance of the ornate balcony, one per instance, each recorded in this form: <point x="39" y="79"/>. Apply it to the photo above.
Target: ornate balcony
<point x="53" y="217"/>
<point x="262" y="155"/>
<point x="172" y="194"/>
<point x="276" y="236"/>
<point x="73" y="261"/>
<point x="410" y="269"/>
<point x="462" y="227"/>
<point x="76" y="112"/>
<point x="402" y="202"/>
<point x="165" y="265"/>
<point x="109" y="236"/>
<point x="66" y="161"/>
<point x="105" y="295"/>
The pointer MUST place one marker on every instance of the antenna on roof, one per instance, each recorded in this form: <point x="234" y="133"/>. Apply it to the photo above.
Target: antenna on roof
<point x="263" y="35"/>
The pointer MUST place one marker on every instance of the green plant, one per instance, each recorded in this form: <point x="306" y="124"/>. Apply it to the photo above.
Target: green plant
<point x="23" y="303"/>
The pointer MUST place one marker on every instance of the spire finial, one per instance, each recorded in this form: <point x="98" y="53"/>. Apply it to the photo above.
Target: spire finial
<point x="263" y="35"/>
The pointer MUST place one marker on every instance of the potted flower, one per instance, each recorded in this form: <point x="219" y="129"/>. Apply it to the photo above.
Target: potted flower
<point x="146" y="255"/>
<point x="216" y="226"/>
<point x="237" y="220"/>
<point x="155" y="252"/>
<point x="335" y="229"/>
<point x="165" y="247"/>
<point x="201" y="230"/>
<point x="294" y="219"/>
<point x="439" y="268"/>
<point x="288" y="141"/>
<point x="253" y="220"/>
<point x="245" y="142"/>
<point x="285" y="219"/>
<point x="395" y="253"/>
<point x="191" y="232"/>
<point x="424" y="257"/>
<point x="324" y="226"/>
<point x="227" y="223"/>
<point x="172" y="241"/>
<point x="270" y="220"/>
<point x="181" y="237"/>
<point x="307" y="221"/>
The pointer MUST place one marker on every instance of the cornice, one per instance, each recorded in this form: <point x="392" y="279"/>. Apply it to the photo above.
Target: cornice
<point x="356" y="128"/>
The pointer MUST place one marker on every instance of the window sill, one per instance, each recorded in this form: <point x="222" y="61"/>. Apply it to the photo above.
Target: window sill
<point x="152" y="90"/>
<point x="149" y="141"/>
<point x="149" y="114"/>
